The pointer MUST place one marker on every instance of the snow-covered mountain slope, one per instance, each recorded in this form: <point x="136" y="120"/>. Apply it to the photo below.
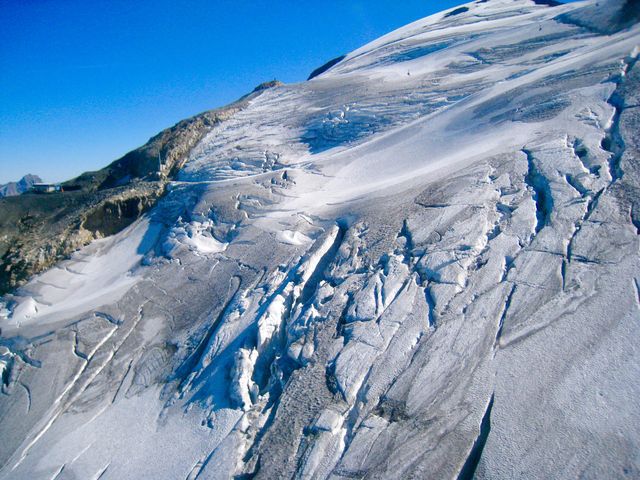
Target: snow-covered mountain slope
<point x="423" y="263"/>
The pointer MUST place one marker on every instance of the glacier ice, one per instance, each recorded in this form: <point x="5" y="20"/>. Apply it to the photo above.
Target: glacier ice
<point x="421" y="263"/>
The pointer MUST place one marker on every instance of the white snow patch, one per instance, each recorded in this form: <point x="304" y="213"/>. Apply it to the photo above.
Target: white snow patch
<point x="270" y="322"/>
<point x="194" y="235"/>
<point x="244" y="391"/>
<point x="293" y="237"/>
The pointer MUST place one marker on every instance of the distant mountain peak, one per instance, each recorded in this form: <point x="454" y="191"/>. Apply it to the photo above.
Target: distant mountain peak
<point x="16" y="188"/>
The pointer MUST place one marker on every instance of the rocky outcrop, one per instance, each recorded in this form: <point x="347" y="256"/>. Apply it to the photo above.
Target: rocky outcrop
<point x="323" y="68"/>
<point x="40" y="230"/>
<point x="163" y="155"/>
<point x="119" y="211"/>
<point x="37" y="231"/>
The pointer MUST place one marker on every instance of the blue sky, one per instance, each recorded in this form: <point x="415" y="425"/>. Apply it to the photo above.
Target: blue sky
<point x="83" y="82"/>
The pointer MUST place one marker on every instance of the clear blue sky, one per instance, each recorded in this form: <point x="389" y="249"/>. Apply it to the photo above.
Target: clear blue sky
<point x="84" y="81"/>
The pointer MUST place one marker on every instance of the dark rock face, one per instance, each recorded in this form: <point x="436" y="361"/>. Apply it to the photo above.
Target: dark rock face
<point x="551" y="3"/>
<point x="326" y="66"/>
<point x="457" y="11"/>
<point x="115" y="214"/>
<point x="37" y="231"/>
<point x="16" y="188"/>
<point x="267" y="85"/>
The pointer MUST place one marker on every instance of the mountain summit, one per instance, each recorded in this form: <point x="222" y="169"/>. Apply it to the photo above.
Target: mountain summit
<point x="421" y="263"/>
<point x="21" y="186"/>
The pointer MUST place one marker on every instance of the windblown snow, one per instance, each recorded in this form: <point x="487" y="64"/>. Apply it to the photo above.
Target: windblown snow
<point x="422" y="263"/>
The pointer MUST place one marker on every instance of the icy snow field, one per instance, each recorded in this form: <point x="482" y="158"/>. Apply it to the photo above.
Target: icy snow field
<point x="421" y="264"/>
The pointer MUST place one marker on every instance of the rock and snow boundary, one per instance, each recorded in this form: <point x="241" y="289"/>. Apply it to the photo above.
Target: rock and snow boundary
<point x="422" y="263"/>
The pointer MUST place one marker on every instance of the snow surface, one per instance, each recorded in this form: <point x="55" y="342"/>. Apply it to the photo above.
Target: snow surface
<point x="99" y="274"/>
<point x="423" y="263"/>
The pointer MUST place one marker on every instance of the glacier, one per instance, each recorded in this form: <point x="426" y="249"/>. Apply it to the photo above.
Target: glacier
<point x="421" y="263"/>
